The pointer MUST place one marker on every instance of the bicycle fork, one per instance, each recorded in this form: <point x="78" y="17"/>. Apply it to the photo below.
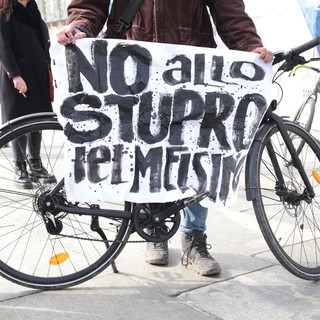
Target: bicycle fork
<point x="296" y="162"/>
<point x="281" y="188"/>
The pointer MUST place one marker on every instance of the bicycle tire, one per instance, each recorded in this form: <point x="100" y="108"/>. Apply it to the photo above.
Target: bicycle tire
<point x="290" y="228"/>
<point x="31" y="256"/>
<point x="305" y="114"/>
<point x="304" y="117"/>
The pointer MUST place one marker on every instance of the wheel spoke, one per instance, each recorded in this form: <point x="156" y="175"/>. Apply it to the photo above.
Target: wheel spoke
<point x="288" y="218"/>
<point x="56" y="252"/>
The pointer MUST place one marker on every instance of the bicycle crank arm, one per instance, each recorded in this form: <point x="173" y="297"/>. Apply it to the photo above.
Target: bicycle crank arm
<point x="162" y="215"/>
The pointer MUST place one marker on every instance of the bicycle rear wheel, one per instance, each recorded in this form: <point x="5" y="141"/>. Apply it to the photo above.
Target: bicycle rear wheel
<point x="71" y="252"/>
<point x="289" y="222"/>
<point x="304" y="116"/>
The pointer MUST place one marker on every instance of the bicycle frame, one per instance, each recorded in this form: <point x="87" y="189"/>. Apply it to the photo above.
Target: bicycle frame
<point x="316" y="88"/>
<point x="95" y="210"/>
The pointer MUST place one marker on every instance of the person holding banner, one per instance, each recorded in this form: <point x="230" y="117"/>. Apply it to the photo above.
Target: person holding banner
<point x="24" y="68"/>
<point x="183" y="22"/>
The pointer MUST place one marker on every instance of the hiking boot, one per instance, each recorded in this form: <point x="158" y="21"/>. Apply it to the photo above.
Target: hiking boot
<point x="195" y="253"/>
<point x="38" y="173"/>
<point x="157" y="253"/>
<point x="21" y="177"/>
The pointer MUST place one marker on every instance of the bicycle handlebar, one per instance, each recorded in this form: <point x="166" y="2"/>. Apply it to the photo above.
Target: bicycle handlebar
<point x="306" y="46"/>
<point x="292" y="57"/>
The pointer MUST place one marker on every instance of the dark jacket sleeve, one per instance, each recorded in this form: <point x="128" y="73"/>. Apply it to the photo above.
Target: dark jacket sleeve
<point x="90" y="14"/>
<point x="7" y="57"/>
<point x="46" y="40"/>
<point x="235" y="27"/>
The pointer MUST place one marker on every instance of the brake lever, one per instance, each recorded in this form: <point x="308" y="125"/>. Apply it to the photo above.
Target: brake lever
<point x="292" y="61"/>
<point x="278" y="57"/>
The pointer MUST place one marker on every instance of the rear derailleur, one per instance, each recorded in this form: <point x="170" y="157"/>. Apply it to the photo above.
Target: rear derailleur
<point x="44" y="204"/>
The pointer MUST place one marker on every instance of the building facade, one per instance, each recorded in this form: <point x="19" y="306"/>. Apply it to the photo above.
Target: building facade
<point x="54" y="12"/>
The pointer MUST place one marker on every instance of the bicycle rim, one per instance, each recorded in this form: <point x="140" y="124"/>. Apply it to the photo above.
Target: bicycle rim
<point x="29" y="254"/>
<point x="305" y="114"/>
<point x="304" y="118"/>
<point x="291" y="227"/>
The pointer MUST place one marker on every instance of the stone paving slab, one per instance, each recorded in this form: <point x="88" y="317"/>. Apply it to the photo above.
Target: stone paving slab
<point x="268" y="294"/>
<point x="111" y="297"/>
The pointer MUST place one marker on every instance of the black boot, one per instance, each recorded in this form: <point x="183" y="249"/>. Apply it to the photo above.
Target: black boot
<point x="21" y="177"/>
<point x="38" y="173"/>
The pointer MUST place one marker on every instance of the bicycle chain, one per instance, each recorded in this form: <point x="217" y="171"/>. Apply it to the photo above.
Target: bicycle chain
<point x="101" y="240"/>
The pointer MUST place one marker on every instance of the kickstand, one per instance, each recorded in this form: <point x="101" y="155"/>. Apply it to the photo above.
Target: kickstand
<point x="95" y="227"/>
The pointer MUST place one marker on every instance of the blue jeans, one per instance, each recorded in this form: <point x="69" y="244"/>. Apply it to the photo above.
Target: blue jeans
<point x="193" y="218"/>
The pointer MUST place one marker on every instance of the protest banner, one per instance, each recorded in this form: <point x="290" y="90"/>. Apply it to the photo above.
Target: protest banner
<point x="151" y="122"/>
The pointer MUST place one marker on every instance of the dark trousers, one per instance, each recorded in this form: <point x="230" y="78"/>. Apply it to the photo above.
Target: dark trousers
<point x="31" y="143"/>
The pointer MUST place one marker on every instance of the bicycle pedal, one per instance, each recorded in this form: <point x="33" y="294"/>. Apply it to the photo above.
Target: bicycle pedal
<point x="196" y="198"/>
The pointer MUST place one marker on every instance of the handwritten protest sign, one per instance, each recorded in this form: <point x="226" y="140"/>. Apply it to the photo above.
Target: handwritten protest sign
<point x="150" y="122"/>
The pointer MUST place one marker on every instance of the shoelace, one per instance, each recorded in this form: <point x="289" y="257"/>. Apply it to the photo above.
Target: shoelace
<point x="158" y="245"/>
<point x="158" y="230"/>
<point x="201" y="248"/>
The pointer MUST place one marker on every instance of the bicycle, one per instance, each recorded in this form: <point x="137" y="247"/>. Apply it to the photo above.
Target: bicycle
<point x="47" y="242"/>
<point x="305" y="114"/>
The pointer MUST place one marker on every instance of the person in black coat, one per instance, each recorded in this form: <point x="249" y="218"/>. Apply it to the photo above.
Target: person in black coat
<point x="24" y="80"/>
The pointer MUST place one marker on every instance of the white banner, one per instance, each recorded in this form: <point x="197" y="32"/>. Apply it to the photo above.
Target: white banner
<point x="151" y="122"/>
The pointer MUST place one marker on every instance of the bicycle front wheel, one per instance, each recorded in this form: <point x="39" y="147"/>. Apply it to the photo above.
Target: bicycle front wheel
<point x="33" y="252"/>
<point x="289" y="221"/>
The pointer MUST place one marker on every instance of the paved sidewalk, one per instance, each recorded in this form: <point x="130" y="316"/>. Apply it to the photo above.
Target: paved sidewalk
<point x="252" y="285"/>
